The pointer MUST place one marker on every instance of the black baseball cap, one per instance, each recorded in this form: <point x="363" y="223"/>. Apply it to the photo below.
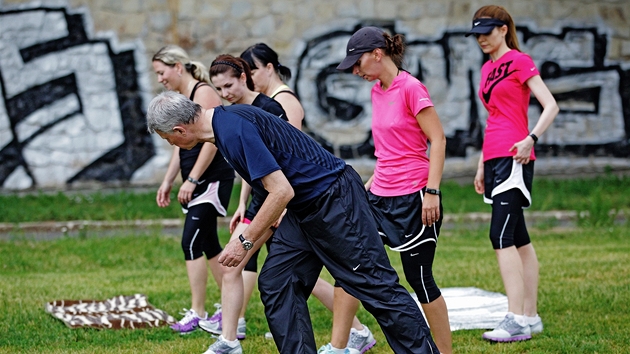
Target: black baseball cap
<point x="484" y="25"/>
<point x="364" y="40"/>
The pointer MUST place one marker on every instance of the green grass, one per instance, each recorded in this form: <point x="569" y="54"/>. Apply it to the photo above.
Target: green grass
<point x="584" y="292"/>
<point x="597" y="196"/>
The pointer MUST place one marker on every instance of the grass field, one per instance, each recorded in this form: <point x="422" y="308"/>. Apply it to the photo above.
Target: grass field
<point x="584" y="291"/>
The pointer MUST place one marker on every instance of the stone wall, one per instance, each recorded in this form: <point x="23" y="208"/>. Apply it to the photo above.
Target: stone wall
<point x="76" y="78"/>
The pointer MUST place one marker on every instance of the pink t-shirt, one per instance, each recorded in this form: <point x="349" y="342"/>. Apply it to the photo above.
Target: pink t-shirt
<point x="402" y="164"/>
<point x="505" y="95"/>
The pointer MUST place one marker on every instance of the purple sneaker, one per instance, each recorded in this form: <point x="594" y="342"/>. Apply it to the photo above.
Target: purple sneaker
<point x="217" y="315"/>
<point x="509" y="331"/>
<point x="189" y="323"/>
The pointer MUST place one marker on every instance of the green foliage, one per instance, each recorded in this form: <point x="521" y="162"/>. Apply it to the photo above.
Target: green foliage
<point x="584" y="292"/>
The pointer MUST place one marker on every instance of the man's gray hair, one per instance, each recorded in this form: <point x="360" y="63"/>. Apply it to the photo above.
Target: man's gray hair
<point x="169" y="109"/>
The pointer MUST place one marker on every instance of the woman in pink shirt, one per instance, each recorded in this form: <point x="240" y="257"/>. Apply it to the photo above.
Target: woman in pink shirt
<point x="506" y="166"/>
<point x="404" y="190"/>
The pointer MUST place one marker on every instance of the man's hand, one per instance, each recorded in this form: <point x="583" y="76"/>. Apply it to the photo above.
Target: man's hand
<point x="232" y="254"/>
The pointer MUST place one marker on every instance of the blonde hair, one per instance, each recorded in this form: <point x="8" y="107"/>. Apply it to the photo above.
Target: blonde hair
<point x="500" y="13"/>
<point x="172" y="54"/>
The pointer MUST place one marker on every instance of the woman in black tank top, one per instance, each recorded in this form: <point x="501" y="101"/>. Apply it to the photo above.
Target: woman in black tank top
<point x="207" y="182"/>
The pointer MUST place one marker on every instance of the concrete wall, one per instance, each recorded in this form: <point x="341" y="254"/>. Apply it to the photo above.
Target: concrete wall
<point x="75" y="78"/>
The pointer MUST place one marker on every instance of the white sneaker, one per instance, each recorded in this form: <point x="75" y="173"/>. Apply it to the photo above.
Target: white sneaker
<point x="328" y="349"/>
<point x="537" y="326"/>
<point x="360" y="342"/>
<point x="221" y="346"/>
<point x="509" y="331"/>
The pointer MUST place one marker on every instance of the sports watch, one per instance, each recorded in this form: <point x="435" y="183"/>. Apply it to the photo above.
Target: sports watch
<point x="192" y="180"/>
<point x="433" y="191"/>
<point x="247" y="245"/>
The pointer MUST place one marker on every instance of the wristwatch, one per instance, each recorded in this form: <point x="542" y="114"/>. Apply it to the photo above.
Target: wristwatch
<point x="192" y="180"/>
<point x="247" y="245"/>
<point x="433" y="191"/>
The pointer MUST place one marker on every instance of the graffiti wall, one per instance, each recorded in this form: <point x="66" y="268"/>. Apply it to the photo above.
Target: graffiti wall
<point x="72" y="103"/>
<point x="593" y="94"/>
<point x="71" y="106"/>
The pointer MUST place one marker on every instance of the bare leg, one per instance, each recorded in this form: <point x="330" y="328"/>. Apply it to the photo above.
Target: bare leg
<point x="217" y="270"/>
<point x="198" y="278"/>
<point x="530" y="278"/>
<point x="249" y="284"/>
<point x="437" y="316"/>
<point x="511" y="269"/>
<point x="232" y="292"/>
<point x="344" y="309"/>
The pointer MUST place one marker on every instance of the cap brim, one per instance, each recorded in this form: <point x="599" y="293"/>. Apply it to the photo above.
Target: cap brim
<point x="480" y="30"/>
<point x="349" y="61"/>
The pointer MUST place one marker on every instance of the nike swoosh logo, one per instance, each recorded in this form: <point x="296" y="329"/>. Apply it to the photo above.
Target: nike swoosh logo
<point x="532" y="69"/>
<point x="357" y="267"/>
<point x="351" y="50"/>
<point x="486" y="95"/>
<point x="407" y="236"/>
<point x="477" y="23"/>
<point x="195" y="218"/>
<point x="414" y="254"/>
<point x="504" y="203"/>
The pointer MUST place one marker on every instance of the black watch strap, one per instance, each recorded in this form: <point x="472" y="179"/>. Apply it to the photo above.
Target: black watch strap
<point x="433" y="191"/>
<point x="247" y="245"/>
<point x="534" y="137"/>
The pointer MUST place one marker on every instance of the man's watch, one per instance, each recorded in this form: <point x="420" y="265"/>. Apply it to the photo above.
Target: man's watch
<point x="247" y="245"/>
<point x="433" y="191"/>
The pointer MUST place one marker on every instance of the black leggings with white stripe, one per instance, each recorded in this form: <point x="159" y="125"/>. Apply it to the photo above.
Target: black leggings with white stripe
<point x="507" y="227"/>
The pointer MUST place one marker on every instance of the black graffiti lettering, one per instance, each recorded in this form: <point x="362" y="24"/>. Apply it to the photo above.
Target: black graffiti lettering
<point x="113" y="163"/>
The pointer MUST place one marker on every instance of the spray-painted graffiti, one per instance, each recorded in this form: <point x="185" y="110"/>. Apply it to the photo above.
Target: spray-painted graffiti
<point x="70" y="107"/>
<point x="594" y="96"/>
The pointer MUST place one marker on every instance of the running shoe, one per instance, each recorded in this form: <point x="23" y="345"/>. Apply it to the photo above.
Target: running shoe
<point x="189" y="323"/>
<point x="216" y="327"/>
<point x="241" y="328"/>
<point x="509" y="331"/>
<point x="536" y="327"/>
<point x="216" y="316"/>
<point x="328" y="349"/>
<point x="221" y="346"/>
<point x="360" y="342"/>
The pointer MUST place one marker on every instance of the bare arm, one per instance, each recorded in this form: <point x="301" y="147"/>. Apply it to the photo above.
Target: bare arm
<point x="293" y="108"/>
<point x="432" y="127"/>
<point x="163" y="197"/>
<point x="550" y="111"/>
<point x="280" y="193"/>
<point x="479" y="177"/>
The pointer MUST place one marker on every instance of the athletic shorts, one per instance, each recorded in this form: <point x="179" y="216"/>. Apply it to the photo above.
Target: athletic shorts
<point x="400" y="220"/>
<point x="503" y="173"/>
<point x="200" y="228"/>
